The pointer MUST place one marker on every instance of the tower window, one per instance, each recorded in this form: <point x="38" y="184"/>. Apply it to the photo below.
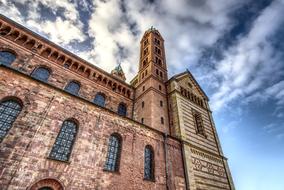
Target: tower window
<point x="145" y="42"/>
<point x="162" y="120"/>
<point x="157" y="41"/>
<point x="142" y="75"/>
<point x="157" y="72"/>
<point x="161" y="103"/>
<point x="41" y="73"/>
<point x="143" y="88"/>
<point x="143" y="104"/>
<point x="160" y="87"/>
<point x="9" y="111"/>
<point x="158" y="61"/>
<point x="7" y="58"/>
<point x="198" y="123"/>
<point x="142" y="120"/>
<point x="73" y="87"/>
<point x="161" y="74"/>
<point x="145" y="62"/>
<point x="100" y="99"/>
<point x="113" y="153"/>
<point x="157" y="50"/>
<point x="149" y="163"/>
<point x="62" y="147"/>
<point x="122" y="109"/>
<point x="145" y="51"/>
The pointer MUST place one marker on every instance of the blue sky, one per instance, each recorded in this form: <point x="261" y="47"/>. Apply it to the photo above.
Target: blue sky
<point x="234" y="48"/>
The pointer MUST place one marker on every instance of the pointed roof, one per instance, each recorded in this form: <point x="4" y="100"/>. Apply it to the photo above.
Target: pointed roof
<point x="188" y="73"/>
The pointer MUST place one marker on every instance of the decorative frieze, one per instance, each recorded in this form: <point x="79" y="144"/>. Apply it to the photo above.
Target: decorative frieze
<point x="208" y="167"/>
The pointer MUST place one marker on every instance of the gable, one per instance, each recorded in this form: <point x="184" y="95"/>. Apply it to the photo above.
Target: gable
<point x="188" y="82"/>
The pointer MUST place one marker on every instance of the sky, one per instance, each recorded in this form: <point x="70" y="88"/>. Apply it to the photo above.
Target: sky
<point x="234" y="48"/>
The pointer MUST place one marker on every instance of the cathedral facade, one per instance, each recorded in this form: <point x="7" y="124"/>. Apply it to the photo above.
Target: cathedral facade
<point x="66" y="124"/>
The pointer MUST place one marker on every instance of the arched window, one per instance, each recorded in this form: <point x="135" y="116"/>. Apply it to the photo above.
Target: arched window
<point x="149" y="163"/>
<point x="113" y="153"/>
<point x="62" y="147"/>
<point x="100" y="99"/>
<point x="73" y="87"/>
<point x="9" y="110"/>
<point x="122" y="109"/>
<point x="41" y="73"/>
<point x="7" y="58"/>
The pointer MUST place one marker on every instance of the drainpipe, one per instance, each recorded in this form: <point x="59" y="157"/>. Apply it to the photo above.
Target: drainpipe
<point x="166" y="161"/>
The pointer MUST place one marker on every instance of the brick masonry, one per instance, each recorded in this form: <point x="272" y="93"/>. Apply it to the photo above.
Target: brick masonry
<point x="25" y="150"/>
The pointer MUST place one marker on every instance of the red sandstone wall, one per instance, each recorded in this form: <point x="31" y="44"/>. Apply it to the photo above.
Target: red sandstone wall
<point x="27" y="61"/>
<point x="25" y="149"/>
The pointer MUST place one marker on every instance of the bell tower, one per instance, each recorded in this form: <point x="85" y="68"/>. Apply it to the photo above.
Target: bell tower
<point x="150" y="100"/>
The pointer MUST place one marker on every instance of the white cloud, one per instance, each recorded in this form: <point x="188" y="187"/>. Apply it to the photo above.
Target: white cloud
<point x="250" y="64"/>
<point x="59" y="30"/>
<point x="183" y="26"/>
<point x="8" y="7"/>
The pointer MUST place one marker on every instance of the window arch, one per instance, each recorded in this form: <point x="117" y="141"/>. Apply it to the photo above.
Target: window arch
<point x="122" y="109"/>
<point x="41" y="73"/>
<point x="149" y="163"/>
<point x="47" y="184"/>
<point x="113" y="153"/>
<point x="100" y="99"/>
<point x="73" y="87"/>
<point x="7" y="58"/>
<point x="62" y="147"/>
<point x="9" y="111"/>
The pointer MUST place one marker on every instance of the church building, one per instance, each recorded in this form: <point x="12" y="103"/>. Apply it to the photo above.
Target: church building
<point x="66" y="124"/>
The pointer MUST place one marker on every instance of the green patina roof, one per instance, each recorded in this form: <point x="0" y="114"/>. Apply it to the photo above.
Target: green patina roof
<point x="118" y="68"/>
<point x="152" y="29"/>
